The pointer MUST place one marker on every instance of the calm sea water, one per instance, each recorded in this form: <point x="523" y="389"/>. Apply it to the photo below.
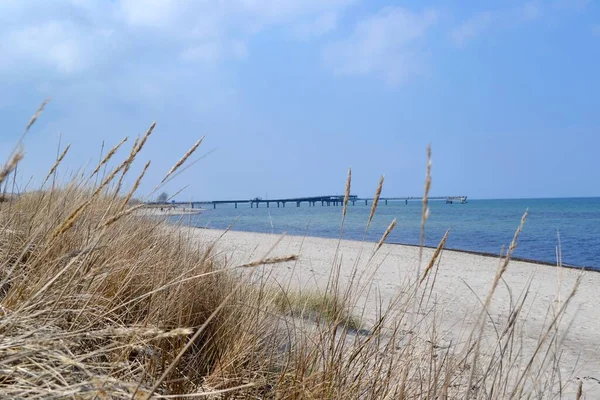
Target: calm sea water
<point x="479" y="225"/>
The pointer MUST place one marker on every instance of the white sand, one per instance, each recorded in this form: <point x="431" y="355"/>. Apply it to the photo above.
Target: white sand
<point x="457" y="273"/>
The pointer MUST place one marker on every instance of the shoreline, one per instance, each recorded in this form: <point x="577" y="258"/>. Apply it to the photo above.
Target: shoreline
<point x="456" y="250"/>
<point x="492" y="255"/>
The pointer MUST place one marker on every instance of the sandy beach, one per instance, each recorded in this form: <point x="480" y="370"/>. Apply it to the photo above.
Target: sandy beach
<point x="462" y="283"/>
<point x="167" y="211"/>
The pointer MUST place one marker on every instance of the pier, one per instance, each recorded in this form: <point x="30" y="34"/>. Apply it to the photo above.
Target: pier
<point x="334" y="200"/>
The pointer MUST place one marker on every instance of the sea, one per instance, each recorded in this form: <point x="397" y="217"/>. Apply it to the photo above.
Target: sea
<point x="567" y="229"/>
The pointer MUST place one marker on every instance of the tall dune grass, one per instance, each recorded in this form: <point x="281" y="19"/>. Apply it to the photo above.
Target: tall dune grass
<point x="99" y="301"/>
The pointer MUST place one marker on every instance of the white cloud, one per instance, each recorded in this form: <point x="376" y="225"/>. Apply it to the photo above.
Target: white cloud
<point x="471" y="28"/>
<point x="71" y="36"/>
<point x="56" y="45"/>
<point x="213" y="51"/>
<point x="318" y="26"/>
<point x="531" y="10"/>
<point x="212" y="18"/>
<point x="386" y="44"/>
<point x="578" y="5"/>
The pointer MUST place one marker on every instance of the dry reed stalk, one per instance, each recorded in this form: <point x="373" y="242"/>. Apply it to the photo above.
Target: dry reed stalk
<point x="135" y="185"/>
<point x="57" y="163"/>
<point x="122" y="214"/>
<point x="425" y="212"/>
<point x="479" y="324"/>
<point x="17" y="153"/>
<point x="177" y="192"/>
<point x="551" y="326"/>
<point x="11" y="165"/>
<point x="387" y="232"/>
<point x="110" y="154"/>
<point x="138" y="145"/>
<point x="36" y="115"/>
<point x="144" y="138"/>
<point x="269" y="260"/>
<point x="182" y="159"/>
<point x="436" y="254"/>
<point x="375" y="201"/>
<point x="506" y="260"/>
<point x="140" y="331"/>
<point x="68" y="223"/>
<point x="347" y="194"/>
<point x="217" y="393"/>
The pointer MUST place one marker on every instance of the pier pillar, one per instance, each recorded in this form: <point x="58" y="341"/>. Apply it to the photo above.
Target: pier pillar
<point x="297" y="204"/>
<point x="353" y="202"/>
<point x="235" y="205"/>
<point x="214" y="205"/>
<point x="283" y="204"/>
<point x="322" y="203"/>
<point x="386" y="202"/>
<point x="366" y="202"/>
<point x="267" y="204"/>
<point x="251" y="204"/>
<point x="277" y="204"/>
<point x="406" y="201"/>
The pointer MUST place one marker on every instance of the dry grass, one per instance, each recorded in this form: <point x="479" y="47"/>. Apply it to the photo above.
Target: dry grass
<point x="98" y="302"/>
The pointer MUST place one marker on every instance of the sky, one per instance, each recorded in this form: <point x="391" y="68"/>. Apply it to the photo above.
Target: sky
<point x="291" y="93"/>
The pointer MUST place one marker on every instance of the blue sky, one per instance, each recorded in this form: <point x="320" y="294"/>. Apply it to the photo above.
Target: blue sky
<point x="291" y="93"/>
